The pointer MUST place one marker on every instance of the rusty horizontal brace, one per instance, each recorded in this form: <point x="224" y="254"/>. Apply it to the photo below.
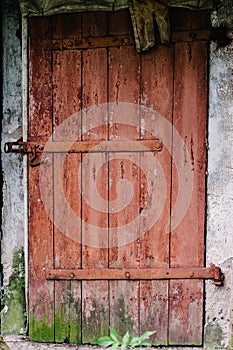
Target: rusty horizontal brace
<point x="211" y="272"/>
<point x="84" y="146"/>
<point x="89" y="43"/>
<point x="118" y="40"/>
<point x="193" y="35"/>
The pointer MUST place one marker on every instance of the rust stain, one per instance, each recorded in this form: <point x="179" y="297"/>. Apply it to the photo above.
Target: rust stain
<point x="118" y="86"/>
<point x="192" y="152"/>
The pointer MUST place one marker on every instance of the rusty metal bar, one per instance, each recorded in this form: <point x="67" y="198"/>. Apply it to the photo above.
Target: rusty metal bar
<point x="90" y="43"/>
<point x="119" y="40"/>
<point x="194" y="35"/>
<point x="16" y="147"/>
<point x="211" y="272"/>
<point x="84" y="146"/>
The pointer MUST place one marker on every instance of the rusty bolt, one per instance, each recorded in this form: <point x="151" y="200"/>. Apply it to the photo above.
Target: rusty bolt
<point x="72" y="275"/>
<point x="192" y="35"/>
<point x="70" y="43"/>
<point x="127" y="274"/>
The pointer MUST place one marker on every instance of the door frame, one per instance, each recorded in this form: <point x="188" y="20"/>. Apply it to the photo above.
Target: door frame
<point x="25" y="99"/>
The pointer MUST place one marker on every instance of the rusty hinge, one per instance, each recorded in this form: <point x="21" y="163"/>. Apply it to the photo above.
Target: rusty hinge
<point x="213" y="272"/>
<point x="25" y="148"/>
<point x="218" y="276"/>
<point x="34" y="148"/>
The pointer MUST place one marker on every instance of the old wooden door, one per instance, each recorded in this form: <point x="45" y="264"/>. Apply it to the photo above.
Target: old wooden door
<point x="89" y="267"/>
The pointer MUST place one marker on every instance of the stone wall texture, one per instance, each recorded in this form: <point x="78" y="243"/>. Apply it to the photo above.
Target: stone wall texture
<point x="12" y="252"/>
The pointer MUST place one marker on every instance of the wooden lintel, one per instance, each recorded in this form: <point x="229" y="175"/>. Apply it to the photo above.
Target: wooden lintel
<point x="132" y="274"/>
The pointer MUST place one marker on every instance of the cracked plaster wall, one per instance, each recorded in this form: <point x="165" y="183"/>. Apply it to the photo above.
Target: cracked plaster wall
<point x="12" y="191"/>
<point x="219" y="241"/>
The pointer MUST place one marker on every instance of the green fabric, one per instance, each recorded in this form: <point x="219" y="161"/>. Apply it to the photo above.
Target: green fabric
<point x="51" y="7"/>
<point x="143" y="13"/>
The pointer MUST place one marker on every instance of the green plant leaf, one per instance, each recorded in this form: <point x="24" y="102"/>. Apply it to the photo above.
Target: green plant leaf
<point x="135" y="342"/>
<point x="104" y="341"/>
<point x="114" y="335"/>
<point x="115" y="346"/>
<point x="126" y="339"/>
<point x="114" y="341"/>
<point x="146" y="335"/>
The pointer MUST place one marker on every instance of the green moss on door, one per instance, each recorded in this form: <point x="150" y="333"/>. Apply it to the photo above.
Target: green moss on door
<point x="40" y="330"/>
<point x="13" y="314"/>
<point x="122" y="321"/>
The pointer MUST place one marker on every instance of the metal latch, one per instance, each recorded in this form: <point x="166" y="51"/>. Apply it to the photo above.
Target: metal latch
<point x="147" y="145"/>
<point x="25" y="148"/>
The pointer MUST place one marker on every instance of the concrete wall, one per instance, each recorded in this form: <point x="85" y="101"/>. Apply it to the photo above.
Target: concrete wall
<point x="12" y="257"/>
<point x="219" y="241"/>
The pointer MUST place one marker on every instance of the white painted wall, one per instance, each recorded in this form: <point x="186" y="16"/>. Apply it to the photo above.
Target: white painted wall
<point x="219" y="243"/>
<point x="13" y="195"/>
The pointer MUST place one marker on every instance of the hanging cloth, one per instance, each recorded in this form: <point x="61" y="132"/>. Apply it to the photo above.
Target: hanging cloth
<point x="143" y="13"/>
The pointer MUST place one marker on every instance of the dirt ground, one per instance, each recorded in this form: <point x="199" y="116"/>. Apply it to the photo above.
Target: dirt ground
<point x="22" y="343"/>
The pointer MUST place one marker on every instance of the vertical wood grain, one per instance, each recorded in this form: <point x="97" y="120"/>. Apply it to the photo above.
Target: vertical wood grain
<point x="41" y="292"/>
<point x="67" y="26"/>
<point x="95" y="298"/>
<point x="67" y="250"/>
<point x="157" y="91"/>
<point x="187" y="239"/>
<point x="124" y="86"/>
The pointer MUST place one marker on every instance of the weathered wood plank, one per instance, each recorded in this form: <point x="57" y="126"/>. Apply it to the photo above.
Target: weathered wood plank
<point x="183" y="19"/>
<point x="120" y="23"/>
<point x="95" y="299"/>
<point x="67" y="249"/>
<point x="95" y="305"/>
<point x="66" y="95"/>
<point x="40" y="93"/>
<point x="124" y="86"/>
<point x="95" y="24"/>
<point x="156" y="94"/>
<point x="190" y="122"/>
<point x="67" y="26"/>
<point x="41" y="293"/>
